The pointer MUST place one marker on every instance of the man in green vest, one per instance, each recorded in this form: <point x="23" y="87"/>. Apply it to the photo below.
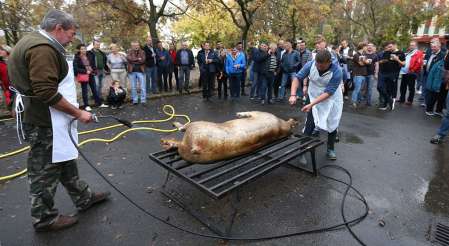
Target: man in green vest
<point x="46" y="101"/>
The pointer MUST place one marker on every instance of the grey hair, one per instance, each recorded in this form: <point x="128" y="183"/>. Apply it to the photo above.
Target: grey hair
<point x="57" y="17"/>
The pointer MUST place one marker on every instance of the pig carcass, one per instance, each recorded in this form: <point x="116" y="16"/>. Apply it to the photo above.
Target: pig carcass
<point x="206" y="142"/>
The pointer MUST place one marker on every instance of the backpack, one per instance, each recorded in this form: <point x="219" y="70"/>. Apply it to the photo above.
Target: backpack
<point x="416" y="62"/>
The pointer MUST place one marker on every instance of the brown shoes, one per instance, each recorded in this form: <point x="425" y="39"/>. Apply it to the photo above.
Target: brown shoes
<point x="62" y="222"/>
<point x="96" y="199"/>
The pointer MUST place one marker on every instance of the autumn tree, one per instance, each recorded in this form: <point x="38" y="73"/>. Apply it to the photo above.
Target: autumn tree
<point x="147" y="12"/>
<point x="209" y="23"/>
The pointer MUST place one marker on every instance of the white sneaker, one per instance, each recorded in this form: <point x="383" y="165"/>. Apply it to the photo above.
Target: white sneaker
<point x="392" y="105"/>
<point x="104" y="106"/>
<point x="88" y="108"/>
<point x="430" y="113"/>
<point x="418" y="92"/>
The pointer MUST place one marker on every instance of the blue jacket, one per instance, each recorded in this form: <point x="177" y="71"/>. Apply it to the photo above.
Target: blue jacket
<point x="210" y="67"/>
<point x="229" y="63"/>
<point x="163" y="63"/>
<point x="290" y="61"/>
<point x="435" y="77"/>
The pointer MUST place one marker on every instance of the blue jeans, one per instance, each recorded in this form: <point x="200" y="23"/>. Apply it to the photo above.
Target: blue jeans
<point x="444" y="128"/>
<point x="234" y="84"/>
<point x="369" y="80"/>
<point x="136" y="79"/>
<point x="151" y="79"/>
<point x="99" y="82"/>
<point x="184" y="77"/>
<point x="255" y="85"/>
<point x="285" y="77"/>
<point x="93" y="88"/>
<point x="358" y="83"/>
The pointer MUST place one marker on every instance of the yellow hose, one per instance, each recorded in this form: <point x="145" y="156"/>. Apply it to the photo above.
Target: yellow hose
<point x="2" y="120"/>
<point x="171" y="114"/>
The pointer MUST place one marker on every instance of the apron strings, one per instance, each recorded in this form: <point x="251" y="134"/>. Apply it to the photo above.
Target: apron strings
<point x="19" y="108"/>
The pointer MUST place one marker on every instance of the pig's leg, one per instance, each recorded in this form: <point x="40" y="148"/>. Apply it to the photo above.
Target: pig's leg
<point x="244" y="114"/>
<point x="180" y="126"/>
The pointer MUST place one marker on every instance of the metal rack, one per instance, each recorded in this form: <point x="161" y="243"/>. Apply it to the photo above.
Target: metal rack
<point x="219" y="178"/>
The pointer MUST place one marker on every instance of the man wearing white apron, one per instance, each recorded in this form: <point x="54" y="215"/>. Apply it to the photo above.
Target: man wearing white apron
<point x="325" y="94"/>
<point x="46" y="99"/>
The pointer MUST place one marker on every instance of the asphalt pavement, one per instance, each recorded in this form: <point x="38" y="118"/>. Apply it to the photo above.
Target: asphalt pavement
<point x="403" y="177"/>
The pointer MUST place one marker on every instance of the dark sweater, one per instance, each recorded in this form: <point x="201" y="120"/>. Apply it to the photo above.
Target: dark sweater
<point x="36" y="67"/>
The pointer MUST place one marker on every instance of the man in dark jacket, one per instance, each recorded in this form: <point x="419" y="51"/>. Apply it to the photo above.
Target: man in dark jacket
<point x="186" y="62"/>
<point x="163" y="67"/>
<point x="253" y="74"/>
<point x="260" y="59"/>
<point x="100" y="59"/>
<point x="150" y="66"/>
<point x="304" y="53"/>
<point x="208" y="68"/>
<point x="289" y="63"/>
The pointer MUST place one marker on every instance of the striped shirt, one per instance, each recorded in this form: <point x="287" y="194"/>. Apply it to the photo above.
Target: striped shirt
<point x="273" y="63"/>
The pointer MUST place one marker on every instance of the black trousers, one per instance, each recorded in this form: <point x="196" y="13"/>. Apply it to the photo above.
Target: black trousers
<point x="222" y="85"/>
<point x="174" y="70"/>
<point x="310" y="127"/>
<point x="387" y="91"/>
<point x="408" y="81"/>
<point x="163" y="74"/>
<point x="242" y="82"/>
<point x="116" y="100"/>
<point x="208" y="82"/>
<point x="277" y="83"/>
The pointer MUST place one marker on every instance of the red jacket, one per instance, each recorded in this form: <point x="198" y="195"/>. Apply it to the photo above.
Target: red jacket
<point x="173" y="56"/>
<point x="5" y="81"/>
<point x="416" y="62"/>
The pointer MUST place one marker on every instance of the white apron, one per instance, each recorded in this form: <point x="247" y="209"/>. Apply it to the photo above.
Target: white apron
<point x="326" y="114"/>
<point x="63" y="148"/>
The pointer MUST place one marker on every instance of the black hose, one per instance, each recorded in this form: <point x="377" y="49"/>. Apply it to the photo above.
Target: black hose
<point x="346" y="223"/>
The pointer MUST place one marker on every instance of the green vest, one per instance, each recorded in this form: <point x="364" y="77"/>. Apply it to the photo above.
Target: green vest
<point x="36" y="112"/>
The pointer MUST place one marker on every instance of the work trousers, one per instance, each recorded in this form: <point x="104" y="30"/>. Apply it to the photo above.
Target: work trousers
<point x="44" y="177"/>
<point x="310" y="127"/>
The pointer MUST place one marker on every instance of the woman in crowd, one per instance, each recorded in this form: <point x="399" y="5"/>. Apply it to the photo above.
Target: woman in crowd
<point x="173" y="67"/>
<point x="83" y="68"/>
<point x="117" y="63"/>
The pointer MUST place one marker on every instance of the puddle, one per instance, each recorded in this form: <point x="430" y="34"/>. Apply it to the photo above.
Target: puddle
<point x="437" y="197"/>
<point x="347" y="137"/>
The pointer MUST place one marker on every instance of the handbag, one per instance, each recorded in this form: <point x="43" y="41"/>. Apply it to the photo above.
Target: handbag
<point x="82" y="77"/>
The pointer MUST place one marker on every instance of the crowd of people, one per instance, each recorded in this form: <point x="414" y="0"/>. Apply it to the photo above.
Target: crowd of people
<point x="268" y="69"/>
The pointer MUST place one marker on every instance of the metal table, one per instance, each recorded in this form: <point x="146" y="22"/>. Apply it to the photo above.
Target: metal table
<point x="220" y="178"/>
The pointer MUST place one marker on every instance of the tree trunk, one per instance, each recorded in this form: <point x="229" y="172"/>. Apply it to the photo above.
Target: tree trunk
<point x="153" y="31"/>
<point x="245" y="37"/>
<point x="293" y="25"/>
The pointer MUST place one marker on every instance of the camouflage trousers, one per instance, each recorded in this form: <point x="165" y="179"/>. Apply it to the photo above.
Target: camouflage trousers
<point x="44" y="177"/>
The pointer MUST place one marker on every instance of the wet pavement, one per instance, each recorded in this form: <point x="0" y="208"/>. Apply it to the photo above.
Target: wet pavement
<point x="404" y="178"/>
